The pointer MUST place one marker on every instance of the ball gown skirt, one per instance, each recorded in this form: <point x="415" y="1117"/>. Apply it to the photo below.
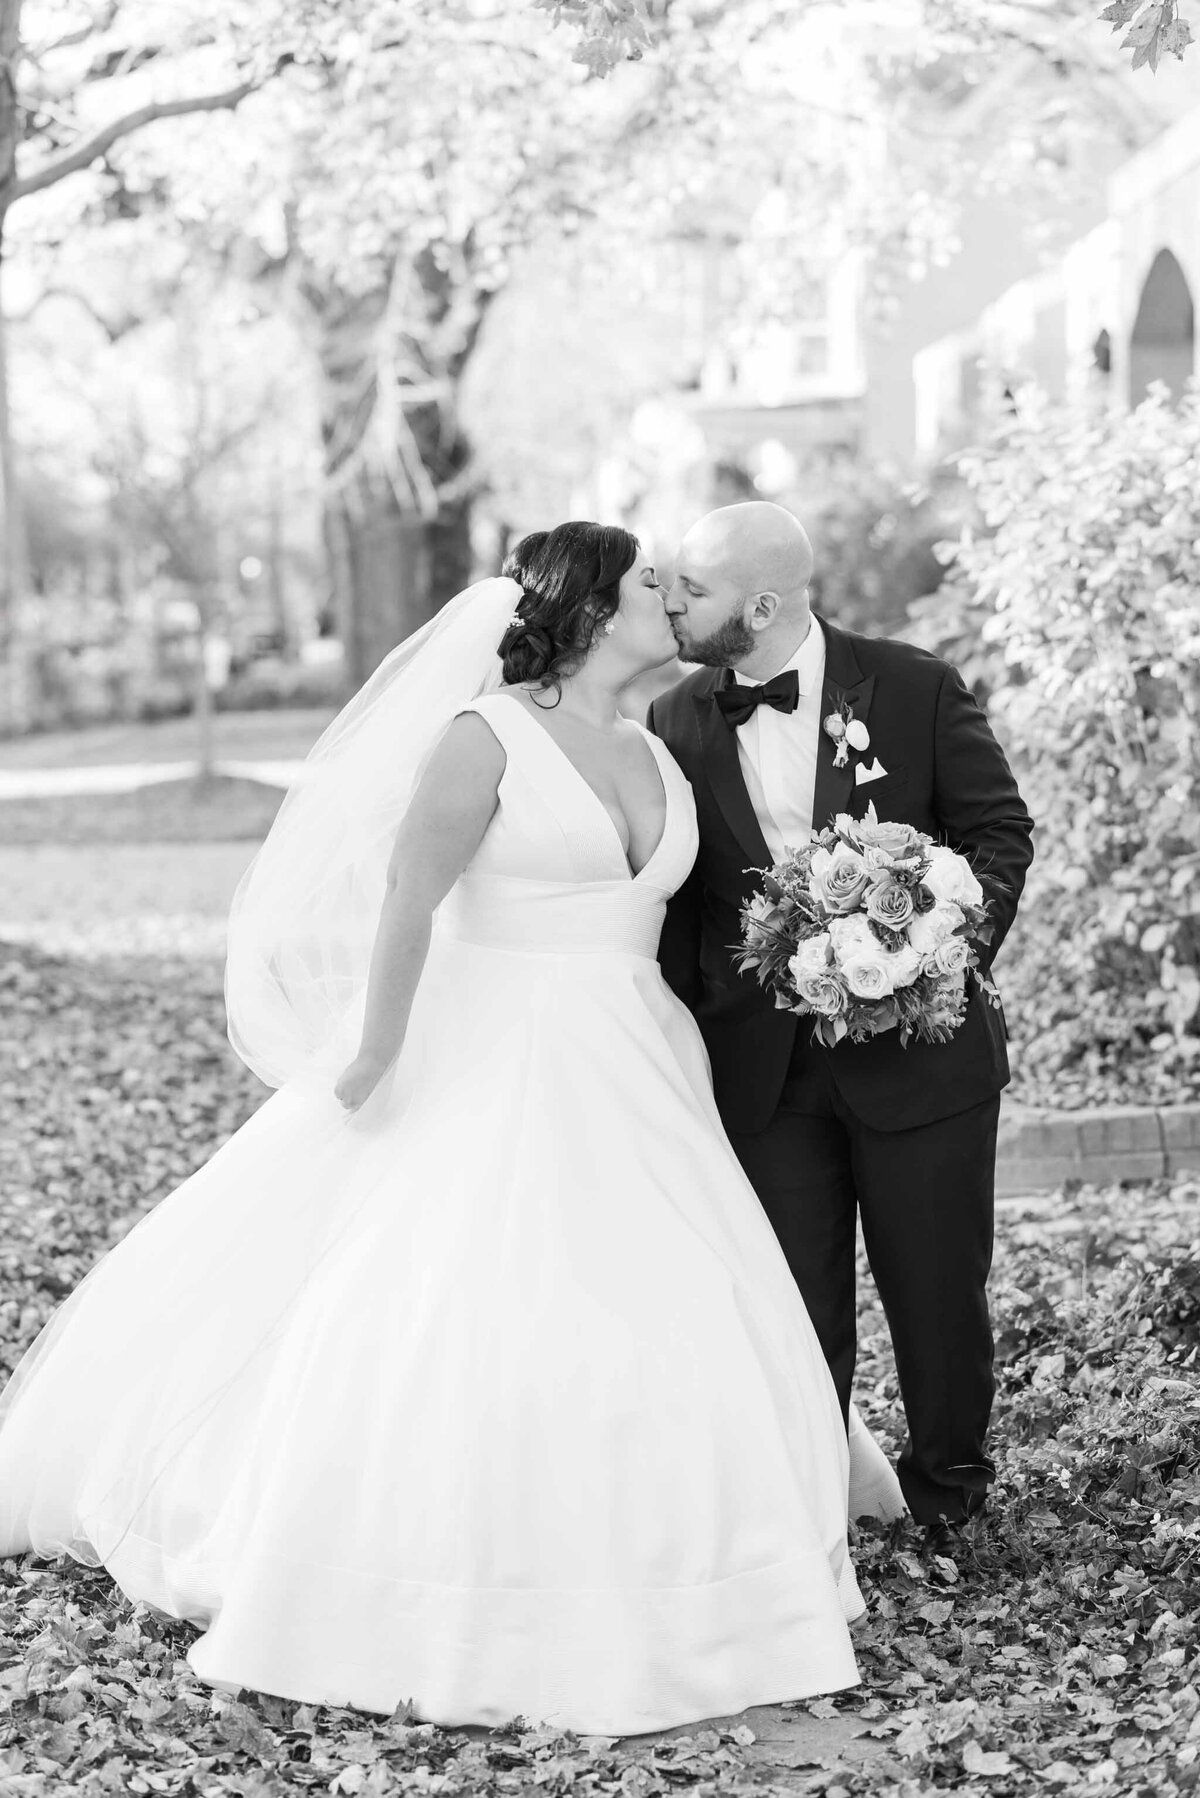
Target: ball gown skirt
<point x="496" y="1395"/>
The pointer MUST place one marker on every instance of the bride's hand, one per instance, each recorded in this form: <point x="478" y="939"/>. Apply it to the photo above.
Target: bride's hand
<point x="357" y="1082"/>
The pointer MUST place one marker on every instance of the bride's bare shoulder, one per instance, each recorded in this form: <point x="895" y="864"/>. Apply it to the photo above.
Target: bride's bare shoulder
<point x="522" y="695"/>
<point x="470" y="754"/>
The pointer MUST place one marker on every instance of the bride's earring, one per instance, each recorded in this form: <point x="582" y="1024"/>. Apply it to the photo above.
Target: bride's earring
<point x="610" y="627"/>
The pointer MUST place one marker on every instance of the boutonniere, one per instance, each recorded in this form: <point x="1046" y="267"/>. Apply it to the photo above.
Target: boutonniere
<point x="846" y="732"/>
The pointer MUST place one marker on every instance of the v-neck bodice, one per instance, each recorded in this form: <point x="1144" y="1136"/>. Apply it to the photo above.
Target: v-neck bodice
<point x="656" y="755"/>
<point x="552" y="832"/>
<point x="552" y="824"/>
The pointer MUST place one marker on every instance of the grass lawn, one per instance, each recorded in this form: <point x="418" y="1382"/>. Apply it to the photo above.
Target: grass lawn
<point x="270" y="735"/>
<point x="1057" y="1651"/>
<point x="223" y="809"/>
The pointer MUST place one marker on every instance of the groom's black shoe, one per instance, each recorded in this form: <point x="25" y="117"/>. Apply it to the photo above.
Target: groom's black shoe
<point x="949" y="1534"/>
<point x="942" y="1537"/>
<point x="952" y="1538"/>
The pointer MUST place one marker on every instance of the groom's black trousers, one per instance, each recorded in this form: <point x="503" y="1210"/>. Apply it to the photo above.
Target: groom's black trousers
<point x="926" y="1199"/>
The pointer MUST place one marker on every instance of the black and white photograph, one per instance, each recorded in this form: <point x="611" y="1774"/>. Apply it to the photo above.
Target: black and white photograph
<point x="599" y="898"/>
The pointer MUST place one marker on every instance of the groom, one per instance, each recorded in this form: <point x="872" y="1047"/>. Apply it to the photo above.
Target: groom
<point x="905" y="1137"/>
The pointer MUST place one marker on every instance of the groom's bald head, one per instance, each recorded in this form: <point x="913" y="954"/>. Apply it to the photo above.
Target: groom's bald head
<point x="741" y="584"/>
<point x="757" y="545"/>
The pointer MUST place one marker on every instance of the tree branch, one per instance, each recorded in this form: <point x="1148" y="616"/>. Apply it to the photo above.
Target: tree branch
<point x="117" y="62"/>
<point x="114" y="332"/>
<point x="460" y="42"/>
<point x="100" y="21"/>
<point x="94" y="147"/>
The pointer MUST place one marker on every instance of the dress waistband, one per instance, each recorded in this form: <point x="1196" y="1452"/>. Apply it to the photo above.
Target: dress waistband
<point x="534" y="917"/>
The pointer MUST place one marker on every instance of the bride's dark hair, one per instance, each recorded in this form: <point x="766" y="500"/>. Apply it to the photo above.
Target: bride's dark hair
<point x="571" y="577"/>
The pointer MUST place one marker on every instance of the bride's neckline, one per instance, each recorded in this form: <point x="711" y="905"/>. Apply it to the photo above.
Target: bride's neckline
<point x="585" y="783"/>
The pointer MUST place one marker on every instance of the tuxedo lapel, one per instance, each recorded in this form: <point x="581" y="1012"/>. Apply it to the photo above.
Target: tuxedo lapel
<point x="719" y="753"/>
<point x="845" y="684"/>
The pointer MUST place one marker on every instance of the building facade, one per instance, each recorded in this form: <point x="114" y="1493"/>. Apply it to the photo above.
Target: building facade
<point x="1113" y="313"/>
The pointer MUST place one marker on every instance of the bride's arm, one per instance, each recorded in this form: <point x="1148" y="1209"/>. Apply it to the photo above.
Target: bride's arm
<point x="443" y="827"/>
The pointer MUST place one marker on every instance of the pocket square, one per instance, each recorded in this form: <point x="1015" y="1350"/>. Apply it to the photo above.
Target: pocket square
<point x="862" y="774"/>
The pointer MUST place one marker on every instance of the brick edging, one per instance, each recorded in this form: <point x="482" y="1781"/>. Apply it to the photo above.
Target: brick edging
<point x="1039" y="1149"/>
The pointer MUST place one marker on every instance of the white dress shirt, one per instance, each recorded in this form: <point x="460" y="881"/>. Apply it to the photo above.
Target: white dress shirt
<point x="778" y="750"/>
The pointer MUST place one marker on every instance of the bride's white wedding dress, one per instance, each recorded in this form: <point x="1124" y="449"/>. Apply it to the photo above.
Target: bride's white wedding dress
<point x="497" y="1395"/>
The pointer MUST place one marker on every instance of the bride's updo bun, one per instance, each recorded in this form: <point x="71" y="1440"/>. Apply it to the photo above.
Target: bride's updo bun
<point x="571" y="578"/>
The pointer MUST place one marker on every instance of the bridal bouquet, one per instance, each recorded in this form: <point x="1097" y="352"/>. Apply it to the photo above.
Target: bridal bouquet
<point x="869" y="927"/>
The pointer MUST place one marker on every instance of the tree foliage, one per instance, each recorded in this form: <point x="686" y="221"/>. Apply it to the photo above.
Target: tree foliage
<point x="874" y="534"/>
<point x="612" y="31"/>
<point x="385" y="168"/>
<point x="1157" y="28"/>
<point x="376" y="191"/>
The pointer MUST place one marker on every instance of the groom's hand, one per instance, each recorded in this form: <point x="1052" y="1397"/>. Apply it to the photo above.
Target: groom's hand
<point x="978" y="805"/>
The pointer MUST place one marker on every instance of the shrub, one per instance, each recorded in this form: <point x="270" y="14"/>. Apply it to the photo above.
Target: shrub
<point x="874" y="533"/>
<point x="269" y="683"/>
<point x="1084" y="595"/>
<point x="874" y="536"/>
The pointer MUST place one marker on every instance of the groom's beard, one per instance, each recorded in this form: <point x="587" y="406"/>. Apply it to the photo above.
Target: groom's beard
<point x="729" y="644"/>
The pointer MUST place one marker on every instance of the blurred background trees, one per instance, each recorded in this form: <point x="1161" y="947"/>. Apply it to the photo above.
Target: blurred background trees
<point x="360" y="185"/>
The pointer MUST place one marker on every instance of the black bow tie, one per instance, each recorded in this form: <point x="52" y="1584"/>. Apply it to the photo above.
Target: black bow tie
<point x="737" y="703"/>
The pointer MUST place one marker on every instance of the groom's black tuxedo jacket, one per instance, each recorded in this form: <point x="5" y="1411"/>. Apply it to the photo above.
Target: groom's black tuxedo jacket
<point x="946" y="774"/>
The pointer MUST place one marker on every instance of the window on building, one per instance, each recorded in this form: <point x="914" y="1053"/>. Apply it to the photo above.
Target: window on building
<point x="1163" y="345"/>
<point x="812" y="350"/>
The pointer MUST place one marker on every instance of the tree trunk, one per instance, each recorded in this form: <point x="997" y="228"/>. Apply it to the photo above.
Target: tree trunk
<point x="384" y="578"/>
<point x="15" y="687"/>
<point x="277" y="585"/>
<point x="206" y="545"/>
<point x="393" y="572"/>
<point x="451" y="550"/>
<point x="398" y="512"/>
<point x="202" y="707"/>
<point x="13" y="560"/>
<point x="13" y="554"/>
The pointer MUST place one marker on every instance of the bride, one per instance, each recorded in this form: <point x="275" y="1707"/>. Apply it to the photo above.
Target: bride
<point x="469" y="1372"/>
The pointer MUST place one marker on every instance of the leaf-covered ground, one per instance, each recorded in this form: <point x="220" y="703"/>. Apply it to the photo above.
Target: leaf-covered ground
<point x="1058" y="1649"/>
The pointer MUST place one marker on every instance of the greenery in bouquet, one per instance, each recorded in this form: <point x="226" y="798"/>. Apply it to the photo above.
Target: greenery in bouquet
<point x="870" y="926"/>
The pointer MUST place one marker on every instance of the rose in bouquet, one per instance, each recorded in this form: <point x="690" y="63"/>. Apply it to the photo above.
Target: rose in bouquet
<point x="869" y="927"/>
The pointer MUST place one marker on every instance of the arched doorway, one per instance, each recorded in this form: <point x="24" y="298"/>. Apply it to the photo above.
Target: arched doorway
<point x="1163" y="346"/>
